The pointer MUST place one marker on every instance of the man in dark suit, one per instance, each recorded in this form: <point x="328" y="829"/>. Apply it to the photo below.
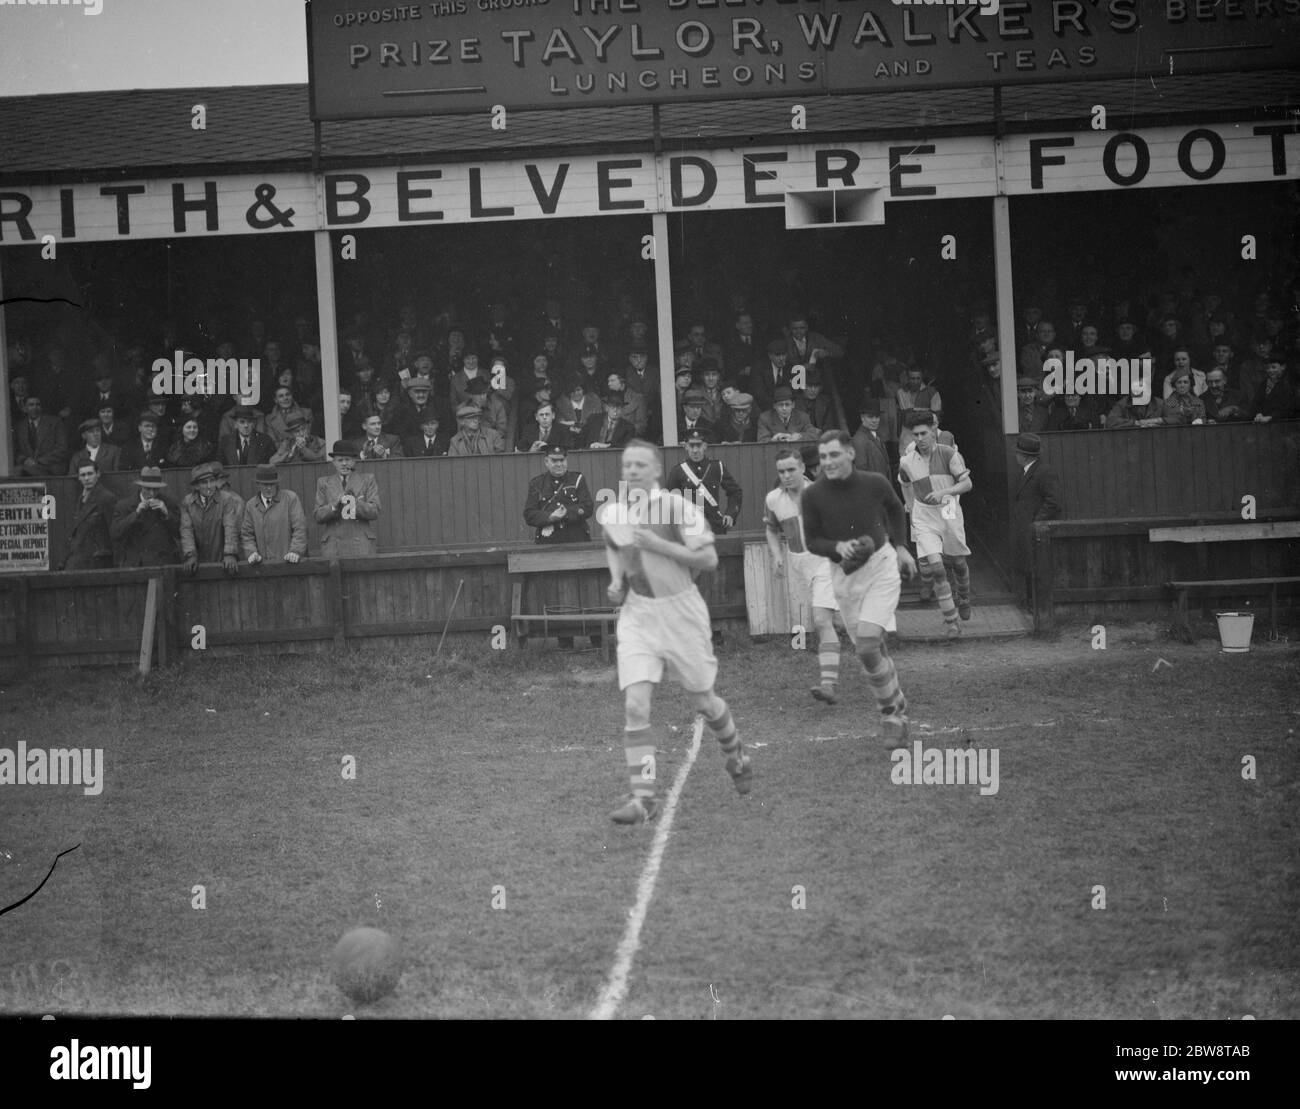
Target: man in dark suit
<point x="430" y="443"/>
<point x="145" y="448"/>
<point x="247" y="447"/>
<point x="608" y="429"/>
<point x="94" y="449"/>
<point x="543" y="432"/>
<point x="89" y="545"/>
<point x="146" y="528"/>
<point x="40" y="442"/>
<point x="693" y="418"/>
<point x="1037" y="497"/>
<point x="869" y="451"/>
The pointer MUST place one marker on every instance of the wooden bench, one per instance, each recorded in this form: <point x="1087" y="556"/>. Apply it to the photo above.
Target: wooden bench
<point x="579" y="619"/>
<point x="1221" y="533"/>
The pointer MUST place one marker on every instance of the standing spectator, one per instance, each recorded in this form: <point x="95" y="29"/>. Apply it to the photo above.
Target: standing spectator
<point x="471" y="438"/>
<point x="300" y="445"/>
<point x="347" y="506"/>
<point x="94" y="449"/>
<point x="274" y="525"/>
<point x="742" y="355"/>
<point x="89" y="545"/>
<point x="40" y="442"/>
<point x="1037" y="497"/>
<point x="247" y="446"/>
<point x="869" y="451"/>
<point x="146" y="527"/>
<point x="210" y="521"/>
<point x="784" y="423"/>
<point x="809" y="348"/>
<point x="771" y="372"/>
<point x="812" y="400"/>
<point x="703" y="481"/>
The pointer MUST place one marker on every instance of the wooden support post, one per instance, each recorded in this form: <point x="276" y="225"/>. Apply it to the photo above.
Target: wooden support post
<point x="336" y="605"/>
<point x="167" y="618"/>
<point x="1044" y="609"/>
<point x="150" y="626"/>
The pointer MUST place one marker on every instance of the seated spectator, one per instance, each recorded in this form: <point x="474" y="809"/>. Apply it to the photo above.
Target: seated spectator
<point x="739" y="426"/>
<point x="813" y="401"/>
<point x="1071" y="412"/>
<point x="869" y="448"/>
<point x="1167" y="341"/>
<point x="1128" y="413"/>
<point x="701" y="347"/>
<point x="609" y="429"/>
<point x="495" y="416"/>
<point x="471" y="437"/>
<point x="576" y="407"/>
<point x="210" y="521"/>
<point x="94" y="449"/>
<point x="300" y="445"/>
<point x="588" y="369"/>
<point x="543" y="392"/>
<point x="417" y="405"/>
<point x="1033" y="405"/>
<point x="430" y="443"/>
<point x="693" y="418"/>
<point x="1183" y="364"/>
<point x="469" y="371"/>
<point x="202" y="409"/>
<point x="715" y="405"/>
<point x="247" y="446"/>
<point x="146" y="448"/>
<point x="274" y="527"/>
<point x="683" y="381"/>
<point x="1030" y="360"/>
<point x="226" y="427"/>
<point x="191" y="448"/>
<point x="784" y="423"/>
<point x="106" y="391"/>
<point x="285" y="409"/>
<point x="1128" y="343"/>
<point x="634" y="404"/>
<point x="1182" y="406"/>
<point x="388" y="407"/>
<point x="362" y="388"/>
<point x="1222" y="405"/>
<point x="375" y="443"/>
<point x="146" y="526"/>
<point x="89" y="545"/>
<point x="164" y="420"/>
<point x="1275" y="399"/>
<point x="1090" y="345"/>
<point x="543" y="431"/>
<point x="1250" y="372"/>
<point x="113" y="430"/>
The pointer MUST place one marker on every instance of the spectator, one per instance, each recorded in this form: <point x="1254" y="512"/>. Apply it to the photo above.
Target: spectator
<point x="285" y="411"/>
<point x="210" y="521"/>
<point x="94" y="449"/>
<point x="1076" y="320"/>
<point x="742" y="355"/>
<point x="715" y="404"/>
<point x="226" y="427"/>
<point x="1275" y="399"/>
<point x="347" y="506"/>
<point x="634" y="405"/>
<point x="809" y="348"/>
<point x="1072" y="413"/>
<point x="430" y="442"/>
<point x="1182" y="406"/>
<point x="460" y="380"/>
<point x="300" y="445"/>
<point x="703" y="481"/>
<point x="559" y="502"/>
<point x="609" y="429"/>
<point x="542" y="432"/>
<point x="784" y="423"/>
<point x="1037" y="497"/>
<point x="1183" y="364"/>
<point x="1127" y="412"/>
<point x="772" y="372"/>
<point x="246" y="447"/>
<point x="418" y="404"/>
<point x="683" y="383"/>
<point x="1128" y="344"/>
<point x="1090" y="345"/>
<point x="89" y="546"/>
<point x="1032" y="405"/>
<point x="1030" y="361"/>
<point x="493" y="414"/>
<point x="146" y="526"/>
<point x="40" y="442"/>
<point x="739" y="426"/>
<point x="200" y="408"/>
<point x="813" y="401"/>
<point x="166" y="422"/>
<point x="145" y="448"/>
<point x="1222" y="405"/>
<point x="190" y="449"/>
<point x="112" y="430"/>
<point x="1250" y="372"/>
<point x="589" y="369"/>
<point x="693" y="418"/>
<point x="915" y="394"/>
<point x="576" y="407"/>
<point x="1167" y="342"/>
<point x="702" y="348"/>
<point x="274" y="526"/>
<point x="375" y="442"/>
<point x="106" y="391"/>
<point x="869" y="451"/>
<point x="471" y="438"/>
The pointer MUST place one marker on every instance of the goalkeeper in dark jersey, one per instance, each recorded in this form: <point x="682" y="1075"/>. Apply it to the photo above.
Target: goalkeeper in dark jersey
<point x="854" y="518"/>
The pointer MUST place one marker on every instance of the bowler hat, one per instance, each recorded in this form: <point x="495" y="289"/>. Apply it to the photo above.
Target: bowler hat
<point x="266" y="474"/>
<point x="344" y="449"/>
<point x="150" y="478"/>
<point x="870" y="407"/>
<point x="1028" y="444"/>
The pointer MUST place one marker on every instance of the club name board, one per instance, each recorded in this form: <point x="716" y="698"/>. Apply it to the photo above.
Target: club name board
<point x="943" y="168"/>
<point x="456" y="56"/>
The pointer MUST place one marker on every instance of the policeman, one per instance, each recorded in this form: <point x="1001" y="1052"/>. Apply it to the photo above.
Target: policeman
<point x="704" y="481"/>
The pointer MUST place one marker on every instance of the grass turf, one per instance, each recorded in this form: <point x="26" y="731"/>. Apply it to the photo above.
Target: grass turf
<point x="489" y="775"/>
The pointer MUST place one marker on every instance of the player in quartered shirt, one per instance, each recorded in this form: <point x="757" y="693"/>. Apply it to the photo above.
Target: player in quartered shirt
<point x="810" y="574"/>
<point x="934" y="476"/>
<point x="656" y="542"/>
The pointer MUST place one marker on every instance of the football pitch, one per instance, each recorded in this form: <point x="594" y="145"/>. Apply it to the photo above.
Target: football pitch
<point x="1133" y="856"/>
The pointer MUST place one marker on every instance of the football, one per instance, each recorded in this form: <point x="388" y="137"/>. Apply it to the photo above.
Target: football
<point x="367" y="964"/>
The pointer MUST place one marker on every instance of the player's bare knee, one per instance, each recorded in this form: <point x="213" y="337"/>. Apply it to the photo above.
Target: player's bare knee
<point x="709" y="703"/>
<point x="934" y="562"/>
<point x="825" y="625"/>
<point x="870" y="650"/>
<point x="636" y="706"/>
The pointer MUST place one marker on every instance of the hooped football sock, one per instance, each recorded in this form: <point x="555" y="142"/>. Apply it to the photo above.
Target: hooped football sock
<point x="961" y="580"/>
<point x="946" y="604"/>
<point x="828" y="661"/>
<point x="884" y="683"/>
<point x="723" y="728"/>
<point x="639" y="747"/>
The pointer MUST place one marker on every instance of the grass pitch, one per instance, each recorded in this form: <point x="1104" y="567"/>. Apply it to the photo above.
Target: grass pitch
<point x="475" y="832"/>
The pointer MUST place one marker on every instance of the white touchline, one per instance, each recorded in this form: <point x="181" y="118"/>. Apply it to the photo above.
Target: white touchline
<point x="616" y="988"/>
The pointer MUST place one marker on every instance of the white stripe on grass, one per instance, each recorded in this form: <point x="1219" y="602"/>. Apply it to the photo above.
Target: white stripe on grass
<point x="616" y="988"/>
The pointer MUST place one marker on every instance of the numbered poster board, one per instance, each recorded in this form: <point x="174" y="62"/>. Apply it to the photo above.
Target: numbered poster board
<point x="24" y="528"/>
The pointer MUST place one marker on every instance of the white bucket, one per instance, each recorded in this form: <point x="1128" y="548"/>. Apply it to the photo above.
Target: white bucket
<point x="1234" y="630"/>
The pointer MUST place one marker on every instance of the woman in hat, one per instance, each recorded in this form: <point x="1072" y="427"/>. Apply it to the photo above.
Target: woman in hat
<point x="191" y="448"/>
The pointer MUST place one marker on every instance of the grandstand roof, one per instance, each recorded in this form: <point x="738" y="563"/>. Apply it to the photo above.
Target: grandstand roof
<point x="144" y="132"/>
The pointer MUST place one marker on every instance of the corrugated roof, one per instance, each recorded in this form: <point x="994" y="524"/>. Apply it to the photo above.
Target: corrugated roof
<point x="135" y="132"/>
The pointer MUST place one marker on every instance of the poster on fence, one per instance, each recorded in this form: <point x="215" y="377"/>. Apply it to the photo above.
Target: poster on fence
<point x="24" y="528"/>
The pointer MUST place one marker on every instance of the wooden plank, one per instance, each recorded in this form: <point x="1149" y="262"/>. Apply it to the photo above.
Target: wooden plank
<point x="1233" y="583"/>
<point x="150" y="623"/>
<point x="767" y="598"/>
<point x="336" y="604"/>
<point x="1218" y="533"/>
<point x="560" y="557"/>
<point x="1044" y="580"/>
